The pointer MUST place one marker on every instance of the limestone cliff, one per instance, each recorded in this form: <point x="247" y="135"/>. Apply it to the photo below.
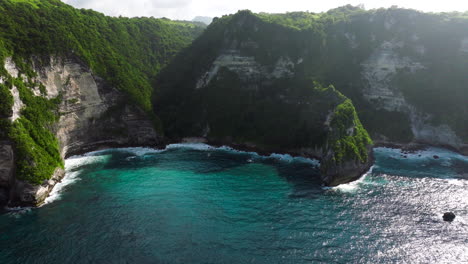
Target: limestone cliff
<point x="405" y="71"/>
<point x="381" y="72"/>
<point x="250" y="80"/>
<point x="93" y="115"/>
<point x="243" y="91"/>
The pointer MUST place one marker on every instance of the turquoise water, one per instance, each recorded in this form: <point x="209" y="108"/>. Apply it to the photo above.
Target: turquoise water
<point x="196" y="204"/>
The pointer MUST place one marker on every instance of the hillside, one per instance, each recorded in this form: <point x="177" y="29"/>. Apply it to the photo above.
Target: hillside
<point x="404" y="70"/>
<point x="323" y="85"/>
<point x="240" y="87"/>
<point x="72" y="80"/>
<point x="398" y="66"/>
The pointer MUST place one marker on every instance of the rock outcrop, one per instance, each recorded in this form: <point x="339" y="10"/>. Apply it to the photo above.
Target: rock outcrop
<point x="380" y="71"/>
<point x="93" y="114"/>
<point x="249" y="81"/>
<point x="448" y="217"/>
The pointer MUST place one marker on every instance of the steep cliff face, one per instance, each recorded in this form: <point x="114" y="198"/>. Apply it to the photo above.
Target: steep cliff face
<point x="381" y="72"/>
<point x="348" y="153"/>
<point x="90" y="104"/>
<point x="405" y="71"/>
<point x="7" y="165"/>
<point x="245" y="92"/>
<point x="52" y="102"/>
<point x="251" y="80"/>
<point x="93" y="115"/>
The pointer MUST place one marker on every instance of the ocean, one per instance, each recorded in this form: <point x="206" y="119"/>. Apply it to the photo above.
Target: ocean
<point x="193" y="203"/>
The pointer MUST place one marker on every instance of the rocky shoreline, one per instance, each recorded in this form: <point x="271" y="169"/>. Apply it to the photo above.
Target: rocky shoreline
<point x="26" y="195"/>
<point x="415" y="146"/>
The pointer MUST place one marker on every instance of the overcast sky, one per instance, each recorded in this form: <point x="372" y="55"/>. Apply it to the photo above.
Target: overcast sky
<point x="188" y="9"/>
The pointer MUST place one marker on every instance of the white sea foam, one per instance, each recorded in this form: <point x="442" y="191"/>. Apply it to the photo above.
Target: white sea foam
<point x="55" y="194"/>
<point x="457" y="182"/>
<point x="78" y="161"/>
<point x="140" y="151"/>
<point x="288" y="158"/>
<point x="351" y="186"/>
<point x="229" y="149"/>
<point x="71" y="176"/>
<point x="282" y="157"/>
<point x="194" y="146"/>
<point x="206" y="147"/>
<point x="136" y="151"/>
<point x="17" y="211"/>
<point x="75" y="162"/>
<point x="444" y="155"/>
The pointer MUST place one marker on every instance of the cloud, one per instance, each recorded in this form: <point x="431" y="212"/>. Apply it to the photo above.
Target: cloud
<point x="156" y="8"/>
<point x="187" y="9"/>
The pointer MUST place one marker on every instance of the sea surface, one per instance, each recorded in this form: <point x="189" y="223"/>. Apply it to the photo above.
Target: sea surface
<point x="199" y="204"/>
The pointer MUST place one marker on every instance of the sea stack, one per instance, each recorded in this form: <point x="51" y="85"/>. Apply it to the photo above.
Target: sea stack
<point x="448" y="217"/>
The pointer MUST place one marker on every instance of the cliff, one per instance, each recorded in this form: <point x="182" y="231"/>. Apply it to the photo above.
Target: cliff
<point x="92" y="115"/>
<point x="307" y="84"/>
<point x="236" y="94"/>
<point x="65" y="90"/>
<point x="402" y="69"/>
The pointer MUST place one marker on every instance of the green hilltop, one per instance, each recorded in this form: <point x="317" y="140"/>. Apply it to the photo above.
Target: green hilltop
<point x="127" y="52"/>
<point x="319" y="81"/>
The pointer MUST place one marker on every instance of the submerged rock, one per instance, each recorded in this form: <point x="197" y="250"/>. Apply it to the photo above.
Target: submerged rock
<point x="436" y="157"/>
<point x="449" y="216"/>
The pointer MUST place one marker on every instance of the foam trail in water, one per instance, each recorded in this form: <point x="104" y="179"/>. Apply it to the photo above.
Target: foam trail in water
<point x="78" y="161"/>
<point x="206" y="147"/>
<point x="444" y="155"/>
<point x="289" y="158"/>
<point x="16" y="212"/>
<point x="351" y="186"/>
<point x="70" y="177"/>
<point x="140" y="151"/>
<point x="194" y="146"/>
<point x="136" y="151"/>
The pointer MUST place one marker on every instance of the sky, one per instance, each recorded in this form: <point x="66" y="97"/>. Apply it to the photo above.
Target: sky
<point x="188" y="9"/>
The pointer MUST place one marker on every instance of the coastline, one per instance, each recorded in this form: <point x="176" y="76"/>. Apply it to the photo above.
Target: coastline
<point x="416" y="146"/>
<point x="404" y="148"/>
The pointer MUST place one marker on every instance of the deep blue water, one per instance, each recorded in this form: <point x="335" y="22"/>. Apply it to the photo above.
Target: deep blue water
<point x="202" y="205"/>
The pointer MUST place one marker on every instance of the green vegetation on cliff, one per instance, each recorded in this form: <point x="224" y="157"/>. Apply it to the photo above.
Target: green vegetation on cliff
<point x="267" y="96"/>
<point x="436" y="42"/>
<point x="287" y="114"/>
<point x="419" y="56"/>
<point x="6" y="101"/>
<point x="36" y="147"/>
<point x="254" y="99"/>
<point x="127" y="52"/>
<point x="347" y="138"/>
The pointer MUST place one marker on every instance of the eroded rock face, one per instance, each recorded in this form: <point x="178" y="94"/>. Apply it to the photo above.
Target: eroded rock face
<point x="94" y="115"/>
<point x="7" y="161"/>
<point x="345" y="172"/>
<point x="7" y="165"/>
<point x="247" y="68"/>
<point x="26" y="194"/>
<point x="380" y="71"/>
